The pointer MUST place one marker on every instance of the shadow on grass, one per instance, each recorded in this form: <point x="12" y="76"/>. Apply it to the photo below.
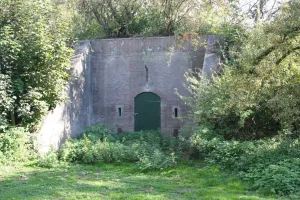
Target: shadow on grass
<point x="118" y="182"/>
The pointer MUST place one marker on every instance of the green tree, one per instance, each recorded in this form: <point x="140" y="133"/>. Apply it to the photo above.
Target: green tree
<point x="34" y="57"/>
<point x="115" y="18"/>
<point x="257" y="95"/>
<point x="112" y="18"/>
<point x="175" y="14"/>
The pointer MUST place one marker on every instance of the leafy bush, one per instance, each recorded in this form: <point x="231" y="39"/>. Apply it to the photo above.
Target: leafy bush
<point x="151" y="150"/>
<point x="33" y="47"/>
<point x="98" y="132"/>
<point x="16" y="144"/>
<point x="271" y="165"/>
<point x="85" y="150"/>
<point x="281" y="178"/>
<point x="48" y="160"/>
<point x="256" y="94"/>
<point x="216" y="150"/>
<point x="156" y="160"/>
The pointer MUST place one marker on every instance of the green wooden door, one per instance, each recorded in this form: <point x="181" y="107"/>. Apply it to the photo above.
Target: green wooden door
<point x="146" y="111"/>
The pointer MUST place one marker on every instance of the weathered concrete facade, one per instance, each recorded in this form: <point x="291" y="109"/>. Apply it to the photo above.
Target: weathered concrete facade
<point x="68" y="119"/>
<point x="108" y="74"/>
<point x="119" y="75"/>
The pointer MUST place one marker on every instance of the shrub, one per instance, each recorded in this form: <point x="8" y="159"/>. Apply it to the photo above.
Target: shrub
<point x="98" y="132"/>
<point x="87" y="151"/>
<point x="227" y="154"/>
<point x="16" y="144"/>
<point x="48" y="160"/>
<point x="281" y="178"/>
<point x="151" y="149"/>
<point x="271" y="165"/>
<point x="108" y="152"/>
<point x="69" y="151"/>
<point x="156" y="160"/>
<point x="33" y="47"/>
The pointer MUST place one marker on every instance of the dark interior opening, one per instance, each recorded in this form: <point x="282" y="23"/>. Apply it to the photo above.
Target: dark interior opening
<point x="176" y="112"/>
<point x="120" y="112"/>
<point x="147" y="74"/>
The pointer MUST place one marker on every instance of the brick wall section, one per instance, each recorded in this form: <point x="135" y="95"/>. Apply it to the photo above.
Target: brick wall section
<point x="119" y="74"/>
<point x="110" y="73"/>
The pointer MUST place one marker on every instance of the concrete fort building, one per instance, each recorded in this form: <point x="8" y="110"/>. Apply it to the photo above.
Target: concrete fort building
<point x="128" y="85"/>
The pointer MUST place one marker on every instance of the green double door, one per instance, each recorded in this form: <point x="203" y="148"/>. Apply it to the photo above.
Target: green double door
<point x="146" y="112"/>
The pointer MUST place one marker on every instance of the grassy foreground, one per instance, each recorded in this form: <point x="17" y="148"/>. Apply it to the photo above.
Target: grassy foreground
<point x="118" y="182"/>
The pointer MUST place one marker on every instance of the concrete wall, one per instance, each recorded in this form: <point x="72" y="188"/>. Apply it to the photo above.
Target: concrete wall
<point x="110" y="73"/>
<point x="68" y="119"/>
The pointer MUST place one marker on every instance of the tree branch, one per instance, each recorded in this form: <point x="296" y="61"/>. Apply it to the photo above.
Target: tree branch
<point x="287" y="54"/>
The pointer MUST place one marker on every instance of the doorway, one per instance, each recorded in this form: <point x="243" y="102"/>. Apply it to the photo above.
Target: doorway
<point x="147" y="111"/>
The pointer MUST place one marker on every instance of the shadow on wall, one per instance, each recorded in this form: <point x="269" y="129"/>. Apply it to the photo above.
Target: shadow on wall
<point x="69" y="118"/>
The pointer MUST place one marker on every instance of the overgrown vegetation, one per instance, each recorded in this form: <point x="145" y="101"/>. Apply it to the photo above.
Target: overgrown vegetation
<point x="34" y="57"/>
<point x="245" y="119"/>
<point x="270" y="165"/>
<point x="150" y="150"/>
<point x="248" y="112"/>
<point x="122" y="18"/>
<point x="256" y="95"/>
<point x="17" y="145"/>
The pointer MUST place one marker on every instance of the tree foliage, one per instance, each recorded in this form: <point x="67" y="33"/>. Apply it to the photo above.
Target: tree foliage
<point x="257" y="95"/>
<point x="33" y="60"/>
<point x="111" y="18"/>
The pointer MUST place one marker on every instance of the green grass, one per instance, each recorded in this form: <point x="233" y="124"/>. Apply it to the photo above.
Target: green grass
<point x="118" y="182"/>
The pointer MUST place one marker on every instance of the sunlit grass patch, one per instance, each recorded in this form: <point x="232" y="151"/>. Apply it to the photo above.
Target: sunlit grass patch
<point x="118" y="182"/>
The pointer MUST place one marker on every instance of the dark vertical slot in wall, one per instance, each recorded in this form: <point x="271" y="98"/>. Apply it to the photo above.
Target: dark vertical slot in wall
<point x="147" y="74"/>
<point x="120" y="112"/>
<point x="176" y="112"/>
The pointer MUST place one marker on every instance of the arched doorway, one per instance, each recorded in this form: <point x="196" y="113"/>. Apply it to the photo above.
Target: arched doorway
<point x="146" y="111"/>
